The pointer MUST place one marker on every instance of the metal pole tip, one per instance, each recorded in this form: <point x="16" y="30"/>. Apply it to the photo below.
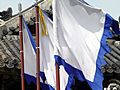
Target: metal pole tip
<point x="36" y="0"/>
<point x="20" y="7"/>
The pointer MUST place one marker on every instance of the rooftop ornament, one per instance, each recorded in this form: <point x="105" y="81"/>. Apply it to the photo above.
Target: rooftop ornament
<point x="6" y="15"/>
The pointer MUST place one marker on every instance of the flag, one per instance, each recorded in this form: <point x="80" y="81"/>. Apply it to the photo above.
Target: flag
<point x="46" y="49"/>
<point x="30" y="60"/>
<point x="47" y="52"/>
<point x="80" y="33"/>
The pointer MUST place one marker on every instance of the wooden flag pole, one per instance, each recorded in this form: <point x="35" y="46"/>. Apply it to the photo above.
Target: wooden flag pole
<point x="55" y="28"/>
<point x="57" y="77"/>
<point x="21" y="47"/>
<point x="37" y="48"/>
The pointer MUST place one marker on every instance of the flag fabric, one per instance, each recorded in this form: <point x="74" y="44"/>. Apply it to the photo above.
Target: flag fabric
<point x="30" y="60"/>
<point x="46" y="49"/>
<point x="80" y="33"/>
<point x="47" y="53"/>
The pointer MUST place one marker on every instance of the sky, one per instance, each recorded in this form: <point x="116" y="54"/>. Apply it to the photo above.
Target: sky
<point x="110" y="6"/>
<point x="4" y="4"/>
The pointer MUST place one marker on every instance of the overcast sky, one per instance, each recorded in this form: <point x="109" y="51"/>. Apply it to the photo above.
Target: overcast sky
<point x="110" y="6"/>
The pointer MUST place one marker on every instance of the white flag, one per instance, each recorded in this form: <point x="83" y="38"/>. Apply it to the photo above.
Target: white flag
<point x="30" y="60"/>
<point x="80" y="32"/>
<point x="29" y="49"/>
<point x="47" y="55"/>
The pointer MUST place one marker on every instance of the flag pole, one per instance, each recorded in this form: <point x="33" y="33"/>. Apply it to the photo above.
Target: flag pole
<point x="21" y="47"/>
<point x="57" y="77"/>
<point x="55" y="28"/>
<point x="37" y="46"/>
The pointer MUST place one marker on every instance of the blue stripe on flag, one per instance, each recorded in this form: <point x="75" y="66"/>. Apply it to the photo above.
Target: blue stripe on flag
<point x="42" y="74"/>
<point x="30" y="78"/>
<point x="30" y="35"/>
<point x="73" y="72"/>
<point x="42" y="85"/>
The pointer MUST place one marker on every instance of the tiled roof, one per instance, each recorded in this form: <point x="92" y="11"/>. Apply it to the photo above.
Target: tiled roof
<point x="113" y="58"/>
<point x="9" y="51"/>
